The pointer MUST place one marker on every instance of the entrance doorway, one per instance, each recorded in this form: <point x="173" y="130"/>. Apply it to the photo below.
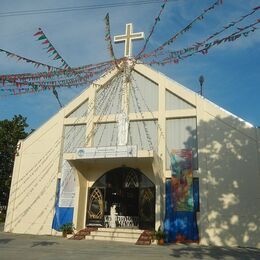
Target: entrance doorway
<point x="123" y="197"/>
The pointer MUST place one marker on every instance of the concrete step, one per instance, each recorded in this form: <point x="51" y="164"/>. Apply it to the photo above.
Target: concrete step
<point x="118" y="239"/>
<point x="120" y="230"/>
<point x="115" y="234"/>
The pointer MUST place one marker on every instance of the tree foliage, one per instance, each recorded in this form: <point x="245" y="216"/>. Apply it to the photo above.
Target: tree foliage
<point x="11" y="131"/>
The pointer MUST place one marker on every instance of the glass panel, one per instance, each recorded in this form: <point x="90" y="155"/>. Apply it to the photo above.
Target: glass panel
<point x="81" y="111"/>
<point x="74" y="137"/>
<point x="174" y="102"/>
<point x="108" y="98"/>
<point x="143" y="94"/>
<point x="181" y="133"/>
<point x="143" y="134"/>
<point x="105" y="134"/>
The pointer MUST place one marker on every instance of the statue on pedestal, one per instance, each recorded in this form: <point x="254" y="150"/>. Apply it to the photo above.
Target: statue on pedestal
<point x="113" y="216"/>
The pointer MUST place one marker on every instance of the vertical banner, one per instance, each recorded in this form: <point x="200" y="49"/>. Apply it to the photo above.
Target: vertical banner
<point x="181" y="181"/>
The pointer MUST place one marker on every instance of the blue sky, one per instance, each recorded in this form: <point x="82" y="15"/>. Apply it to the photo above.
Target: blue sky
<point x="231" y="70"/>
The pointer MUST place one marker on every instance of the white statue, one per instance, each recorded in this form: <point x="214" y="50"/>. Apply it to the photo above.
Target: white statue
<point x="113" y="216"/>
<point x="123" y="125"/>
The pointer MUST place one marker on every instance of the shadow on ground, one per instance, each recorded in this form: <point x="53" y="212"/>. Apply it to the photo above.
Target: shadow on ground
<point x="2" y="227"/>
<point x="203" y="252"/>
<point x="5" y="240"/>
<point x="44" y="243"/>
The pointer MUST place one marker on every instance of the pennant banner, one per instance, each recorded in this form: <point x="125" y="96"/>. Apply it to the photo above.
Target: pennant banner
<point x="157" y="19"/>
<point x="182" y="31"/>
<point x="87" y="70"/>
<point x="25" y="87"/>
<point x="35" y="63"/>
<point x="50" y="48"/>
<point x="196" y="46"/>
<point x="109" y="40"/>
<point x="176" y="56"/>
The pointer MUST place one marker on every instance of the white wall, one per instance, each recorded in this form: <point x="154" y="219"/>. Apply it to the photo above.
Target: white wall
<point x="32" y="196"/>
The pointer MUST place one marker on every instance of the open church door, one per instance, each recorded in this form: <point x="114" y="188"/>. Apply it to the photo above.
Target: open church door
<point x="147" y="208"/>
<point x="95" y="210"/>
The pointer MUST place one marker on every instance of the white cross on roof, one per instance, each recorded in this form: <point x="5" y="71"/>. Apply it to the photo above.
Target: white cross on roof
<point x="128" y="37"/>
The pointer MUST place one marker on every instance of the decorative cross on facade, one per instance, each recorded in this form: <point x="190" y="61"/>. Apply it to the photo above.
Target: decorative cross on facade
<point x="128" y="37"/>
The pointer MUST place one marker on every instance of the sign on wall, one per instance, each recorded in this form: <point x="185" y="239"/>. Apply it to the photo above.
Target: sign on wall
<point x="182" y="180"/>
<point x="107" y="152"/>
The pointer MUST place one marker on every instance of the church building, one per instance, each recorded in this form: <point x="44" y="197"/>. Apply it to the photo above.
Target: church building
<point x="137" y="150"/>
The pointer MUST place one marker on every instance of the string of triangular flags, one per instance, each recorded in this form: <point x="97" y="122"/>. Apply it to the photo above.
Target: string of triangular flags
<point x="156" y="20"/>
<point x="108" y="39"/>
<point x="50" y="48"/>
<point x="68" y="77"/>
<point x="182" y="31"/>
<point x="87" y="70"/>
<point x="203" y="48"/>
<point x="18" y="81"/>
<point x="195" y="47"/>
<point x="36" y="64"/>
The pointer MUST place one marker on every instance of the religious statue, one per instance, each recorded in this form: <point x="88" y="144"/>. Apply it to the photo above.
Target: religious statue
<point x="113" y="216"/>
<point x="123" y="125"/>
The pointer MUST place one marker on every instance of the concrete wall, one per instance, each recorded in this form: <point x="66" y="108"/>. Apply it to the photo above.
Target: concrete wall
<point x="229" y="179"/>
<point x="36" y="170"/>
<point x="32" y="196"/>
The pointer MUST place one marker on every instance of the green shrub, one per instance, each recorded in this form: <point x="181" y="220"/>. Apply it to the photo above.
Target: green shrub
<point x="67" y="228"/>
<point x="160" y="234"/>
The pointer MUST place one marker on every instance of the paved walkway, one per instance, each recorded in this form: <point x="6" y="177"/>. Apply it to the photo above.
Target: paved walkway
<point x="27" y="247"/>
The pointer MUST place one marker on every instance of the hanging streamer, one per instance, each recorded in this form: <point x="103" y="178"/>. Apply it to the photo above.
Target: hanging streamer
<point x="197" y="45"/>
<point x="182" y="31"/>
<point x="156" y="20"/>
<point x="109" y="40"/>
<point x="191" y="51"/>
<point x="21" y="58"/>
<point x="25" y="87"/>
<point x="50" y="48"/>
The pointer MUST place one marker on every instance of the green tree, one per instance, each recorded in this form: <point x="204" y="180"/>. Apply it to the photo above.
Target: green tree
<point x="11" y="131"/>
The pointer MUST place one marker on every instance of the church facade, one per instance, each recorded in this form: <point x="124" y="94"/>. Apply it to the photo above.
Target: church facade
<point x="106" y="160"/>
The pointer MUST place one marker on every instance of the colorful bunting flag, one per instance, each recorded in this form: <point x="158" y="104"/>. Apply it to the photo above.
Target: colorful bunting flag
<point x="55" y="55"/>
<point x="108" y="39"/>
<point x="181" y="32"/>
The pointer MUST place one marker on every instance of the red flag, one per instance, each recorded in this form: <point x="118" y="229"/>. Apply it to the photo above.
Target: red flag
<point x="38" y="33"/>
<point x="57" y="56"/>
<point x="51" y="49"/>
<point x="45" y="42"/>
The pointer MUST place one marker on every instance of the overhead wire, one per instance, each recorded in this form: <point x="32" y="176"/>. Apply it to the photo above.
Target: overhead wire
<point x="80" y="8"/>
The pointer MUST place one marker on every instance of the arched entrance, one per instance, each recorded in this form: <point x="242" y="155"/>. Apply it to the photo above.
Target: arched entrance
<point x="124" y="194"/>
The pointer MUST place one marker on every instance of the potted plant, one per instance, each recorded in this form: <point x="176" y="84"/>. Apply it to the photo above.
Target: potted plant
<point x="66" y="229"/>
<point x="160" y="236"/>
